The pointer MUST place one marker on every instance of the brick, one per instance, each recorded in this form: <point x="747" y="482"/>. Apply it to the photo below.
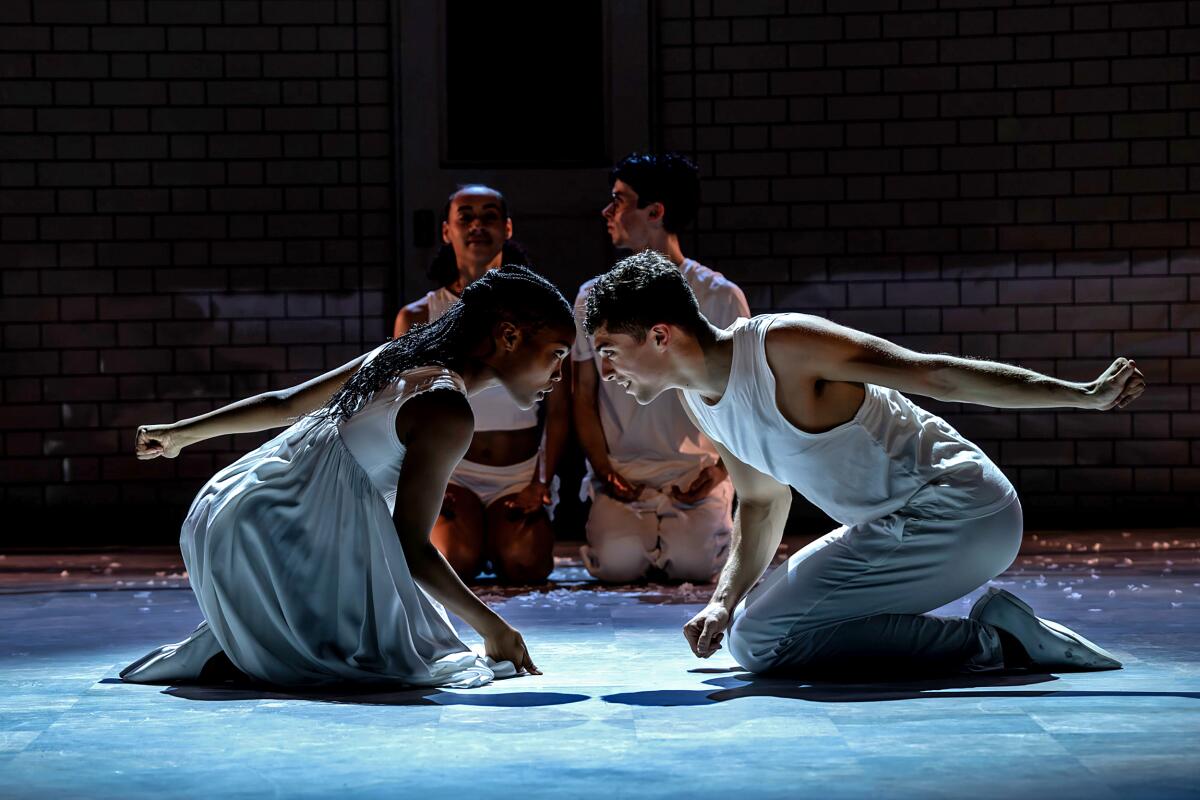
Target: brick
<point x="1150" y="234"/>
<point x="1148" y="15"/>
<point x="1149" y="289"/>
<point x="1020" y="292"/>
<point x="1100" y="317"/>
<point x="1038" y="453"/>
<point x="1136" y="344"/>
<point x="1139" y="453"/>
<point x="991" y="320"/>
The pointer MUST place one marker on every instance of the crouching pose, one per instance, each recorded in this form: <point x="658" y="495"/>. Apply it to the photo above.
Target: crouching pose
<point x="926" y="516"/>
<point x="310" y="556"/>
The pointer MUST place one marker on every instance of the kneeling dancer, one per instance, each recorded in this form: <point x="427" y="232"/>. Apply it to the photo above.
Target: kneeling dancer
<point x="796" y="400"/>
<point x="310" y="556"/>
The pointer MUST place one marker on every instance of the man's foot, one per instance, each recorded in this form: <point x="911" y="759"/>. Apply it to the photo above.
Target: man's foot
<point x="1048" y="644"/>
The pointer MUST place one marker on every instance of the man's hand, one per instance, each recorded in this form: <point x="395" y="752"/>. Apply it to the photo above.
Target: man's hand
<point x="1117" y="387"/>
<point x="709" y="478"/>
<point x="619" y="488"/>
<point x="706" y="630"/>
<point x="529" y="500"/>
<point x="153" y="441"/>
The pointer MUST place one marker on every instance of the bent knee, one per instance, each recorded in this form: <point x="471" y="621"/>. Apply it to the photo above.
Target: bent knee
<point x="523" y="565"/>
<point x="616" y="559"/>
<point x="754" y="644"/>
<point x="693" y="560"/>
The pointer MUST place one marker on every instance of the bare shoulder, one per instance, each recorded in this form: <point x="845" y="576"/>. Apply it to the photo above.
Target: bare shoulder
<point x="415" y="313"/>
<point x="791" y="333"/>
<point x="440" y="419"/>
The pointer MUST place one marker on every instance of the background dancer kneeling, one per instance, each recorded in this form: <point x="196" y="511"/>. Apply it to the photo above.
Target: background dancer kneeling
<point x="497" y="508"/>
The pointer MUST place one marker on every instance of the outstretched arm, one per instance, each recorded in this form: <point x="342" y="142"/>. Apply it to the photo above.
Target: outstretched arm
<point x="763" y="505"/>
<point x="436" y="428"/>
<point x="258" y="413"/>
<point x="836" y="353"/>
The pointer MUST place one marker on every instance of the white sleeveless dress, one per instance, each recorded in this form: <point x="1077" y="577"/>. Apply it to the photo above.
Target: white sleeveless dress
<point x="297" y="566"/>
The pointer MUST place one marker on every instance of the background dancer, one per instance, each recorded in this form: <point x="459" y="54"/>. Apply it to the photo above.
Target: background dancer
<point x="660" y="495"/>
<point x="926" y="517"/>
<point x="306" y="554"/>
<point x="498" y="504"/>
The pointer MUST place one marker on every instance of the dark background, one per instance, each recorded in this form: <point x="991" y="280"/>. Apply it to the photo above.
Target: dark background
<point x="199" y="201"/>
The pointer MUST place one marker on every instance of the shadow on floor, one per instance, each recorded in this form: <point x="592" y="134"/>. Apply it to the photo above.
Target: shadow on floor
<point x="749" y="685"/>
<point x="233" y="692"/>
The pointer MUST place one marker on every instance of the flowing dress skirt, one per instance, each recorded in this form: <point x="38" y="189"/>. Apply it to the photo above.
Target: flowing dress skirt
<point x="299" y="571"/>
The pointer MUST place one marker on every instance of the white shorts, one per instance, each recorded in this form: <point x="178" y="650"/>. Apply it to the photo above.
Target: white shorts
<point x="687" y="542"/>
<point x="490" y="483"/>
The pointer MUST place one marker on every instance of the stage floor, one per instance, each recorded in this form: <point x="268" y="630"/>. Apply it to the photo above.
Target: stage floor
<point x="623" y="709"/>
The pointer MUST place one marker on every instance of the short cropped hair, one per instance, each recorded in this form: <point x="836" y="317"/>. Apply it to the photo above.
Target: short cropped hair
<point x="671" y="179"/>
<point x="642" y="290"/>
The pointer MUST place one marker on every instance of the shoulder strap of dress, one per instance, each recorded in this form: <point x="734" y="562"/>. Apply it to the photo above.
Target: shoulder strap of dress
<point x="426" y="379"/>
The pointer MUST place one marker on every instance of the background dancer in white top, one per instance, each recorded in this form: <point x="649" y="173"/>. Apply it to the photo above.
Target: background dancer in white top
<point x="660" y="495"/>
<point x="497" y="505"/>
<point x="310" y="557"/>
<point x="926" y="517"/>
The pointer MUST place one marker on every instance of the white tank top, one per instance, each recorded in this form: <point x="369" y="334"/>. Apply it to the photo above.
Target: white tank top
<point x="370" y="435"/>
<point x="494" y="408"/>
<point x="892" y="455"/>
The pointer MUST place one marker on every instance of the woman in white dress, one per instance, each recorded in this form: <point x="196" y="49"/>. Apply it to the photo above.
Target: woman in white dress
<point x="310" y="556"/>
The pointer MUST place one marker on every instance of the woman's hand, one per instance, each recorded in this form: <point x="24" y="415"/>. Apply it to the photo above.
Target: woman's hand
<point x="158" y="440"/>
<point x="505" y="644"/>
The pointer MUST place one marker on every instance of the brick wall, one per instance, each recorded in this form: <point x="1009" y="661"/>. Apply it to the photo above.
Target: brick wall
<point x="196" y="205"/>
<point x="1005" y="180"/>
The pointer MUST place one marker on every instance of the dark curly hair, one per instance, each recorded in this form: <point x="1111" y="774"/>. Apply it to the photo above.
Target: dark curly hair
<point x="671" y="179"/>
<point x="641" y="291"/>
<point x="512" y="293"/>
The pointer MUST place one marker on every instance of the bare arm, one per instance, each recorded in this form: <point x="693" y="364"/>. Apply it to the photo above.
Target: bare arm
<point x="558" y="422"/>
<point x="589" y="429"/>
<point x="836" y="353"/>
<point x="261" y="412"/>
<point x="585" y="404"/>
<point x="436" y="428"/>
<point x="763" y="505"/>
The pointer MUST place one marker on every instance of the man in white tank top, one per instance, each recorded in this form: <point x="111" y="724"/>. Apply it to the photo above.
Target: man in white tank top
<point x="497" y="505"/>
<point x="660" y="496"/>
<point x="926" y="517"/>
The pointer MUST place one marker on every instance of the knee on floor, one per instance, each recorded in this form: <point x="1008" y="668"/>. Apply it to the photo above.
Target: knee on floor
<point x="750" y="647"/>
<point x="616" y="559"/>
<point x="465" y="559"/>
<point x="522" y="565"/>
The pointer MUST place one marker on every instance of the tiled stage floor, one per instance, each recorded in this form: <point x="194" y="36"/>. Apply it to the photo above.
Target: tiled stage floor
<point x="623" y="709"/>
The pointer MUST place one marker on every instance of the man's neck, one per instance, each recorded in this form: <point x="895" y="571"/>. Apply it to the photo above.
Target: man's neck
<point x="705" y="364"/>
<point x="667" y="244"/>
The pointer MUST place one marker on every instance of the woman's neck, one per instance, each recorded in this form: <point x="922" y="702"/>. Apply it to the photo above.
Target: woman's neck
<point x="468" y="273"/>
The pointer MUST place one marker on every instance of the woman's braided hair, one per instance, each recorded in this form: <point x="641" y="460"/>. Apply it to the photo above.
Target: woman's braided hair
<point x="512" y="293"/>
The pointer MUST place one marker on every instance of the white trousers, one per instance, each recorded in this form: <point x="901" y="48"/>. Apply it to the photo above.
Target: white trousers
<point x="687" y="542"/>
<point x="857" y="598"/>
